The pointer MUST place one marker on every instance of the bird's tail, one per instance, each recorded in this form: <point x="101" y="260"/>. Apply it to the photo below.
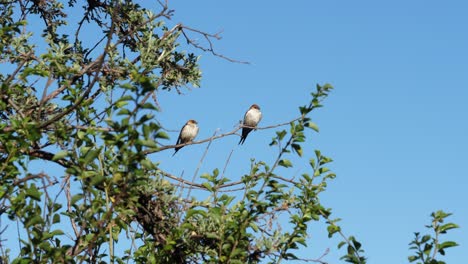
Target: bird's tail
<point x="245" y="133"/>
<point x="176" y="149"/>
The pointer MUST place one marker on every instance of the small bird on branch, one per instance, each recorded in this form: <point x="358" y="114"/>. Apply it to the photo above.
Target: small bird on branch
<point x="188" y="132"/>
<point x="251" y="119"/>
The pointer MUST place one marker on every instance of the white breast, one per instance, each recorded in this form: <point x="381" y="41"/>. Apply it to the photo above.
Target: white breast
<point x="252" y="117"/>
<point x="189" y="132"/>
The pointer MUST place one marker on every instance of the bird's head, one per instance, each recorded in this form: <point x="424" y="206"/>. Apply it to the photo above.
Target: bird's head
<point x="192" y="122"/>
<point x="255" y="106"/>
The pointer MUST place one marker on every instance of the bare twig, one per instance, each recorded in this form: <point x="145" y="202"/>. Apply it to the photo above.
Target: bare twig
<point x="171" y="176"/>
<point x="69" y="209"/>
<point x="318" y="260"/>
<point x="17" y="109"/>
<point x="227" y="162"/>
<point x="200" y="163"/>
<point x="208" y="38"/>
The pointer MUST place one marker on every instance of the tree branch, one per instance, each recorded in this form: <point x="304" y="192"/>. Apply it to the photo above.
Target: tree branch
<point x="216" y="137"/>
<point x="170" y="176"/>
<point x="208" y="38"/>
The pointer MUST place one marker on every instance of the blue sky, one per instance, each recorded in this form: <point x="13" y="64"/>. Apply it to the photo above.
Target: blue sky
<point x="395" y="125"/>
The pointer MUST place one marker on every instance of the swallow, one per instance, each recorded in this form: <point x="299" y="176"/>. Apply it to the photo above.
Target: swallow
<point x="251" y="118"/>
<point x="188" y="132"/>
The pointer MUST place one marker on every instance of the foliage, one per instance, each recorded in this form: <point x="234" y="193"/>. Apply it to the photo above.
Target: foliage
<point x="427" y="247"/>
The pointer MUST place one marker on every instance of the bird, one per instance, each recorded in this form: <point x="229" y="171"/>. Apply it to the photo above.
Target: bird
<point x="188" y="132"/>
<point x="251" y="118"/>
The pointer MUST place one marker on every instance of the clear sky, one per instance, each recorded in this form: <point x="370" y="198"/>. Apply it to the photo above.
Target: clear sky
<point x="395" y="125"/>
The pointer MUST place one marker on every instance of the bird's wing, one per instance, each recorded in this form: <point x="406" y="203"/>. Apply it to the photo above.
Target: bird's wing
<point x="179" y="139"/>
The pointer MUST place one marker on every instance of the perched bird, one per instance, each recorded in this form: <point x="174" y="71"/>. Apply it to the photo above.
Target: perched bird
<point x="251" y="118"/>
<point x="188" y="132"/>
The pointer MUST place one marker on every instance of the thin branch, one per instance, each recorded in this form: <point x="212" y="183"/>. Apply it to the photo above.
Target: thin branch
<point x="216" y="137"/>
<point x="208" y="38"/>
<point x="17" y="109"/>
<point x="170" y="176"/>
<point x="27" y="178"/>
<point x="101" y="129"/>
<point x="436" y="240"/>
<point x="227" y="162"/>
<point x="200" y="163"/>
<point x="48" y="156"/>
<point x="69" y="205"/>
<point x="324" y="215"/>
<point x="232" y="190"/>
<point x="94" y="47"/>
<point x="318" y="260"/>
<point x="73" y="78"/>
<point x="20" y="66"/>
<point x="49" y="82"/>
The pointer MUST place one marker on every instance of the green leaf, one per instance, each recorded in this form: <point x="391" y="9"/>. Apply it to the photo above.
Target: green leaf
<point x="212" y="235"/>
<point x="37" y="219"/>
<point x="208" y="186"/>
<point x="342" y="243"/>
<point x="127" y="86"/>
<point x="24" y="260"/>
<point x="76" y="198"/>
<point x="425" y="238"/>
<point x="146" y="130"/>
<point x="439" y="215"/>
<point x="427" y="249"/>
<point x="145" y="118"/>
<point x="312" y="163"/>
<point x="299" y="240"/>
<point x="57" y="232"/>
<point x="125" y="98"/>
<point x="96" y="180"/>
<point x="254" y="226"/>
<point x="149" y="106"/>
<point x="192" y="212"/>
<point x="356" y="244"/>
<point x="447" y="226"/>
<point x="312" y="125"/>
<point x="33" y="192"/>
<point x="147" y="164"/>
<point x="147" y="143"/>
<point x="120" y="104"/>
<point x="332" y="229"/>
<point x="304" y="110"/>
<point x="162" y="134"/>
<point x="285" y="163"/>
<point x="60" y="155"/>
<point x="281" y="134"/>
<point x="91" y="155"/>
<point x="297" y="148"/>
<point x="56" y="219"/>
<point x="124" y="111"/>
<point x="447" y="244"/>
<point x="351" y="250"/>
